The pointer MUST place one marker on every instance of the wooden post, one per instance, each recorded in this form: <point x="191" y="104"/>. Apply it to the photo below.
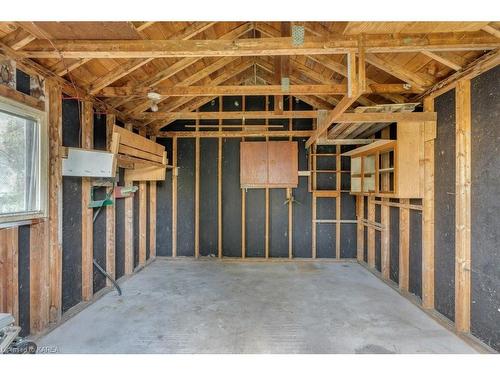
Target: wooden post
<point x="360" y="203"/>
<point x="129" y="227"/>
<point x="87" y="125"/>
<point x="197" y="195"/>
<point x="110" y="211"/>
<point x="55" y="198"/>
<point x="404" y="244"/>
<point x="174" y="197"/>
<point x="219" y="188"/>
<point x="142" y="216"/>
<point x="385" y="258"/>
<point x="219" y="199"/>
<point x="463" y="207"/>
<point x="152" y="216"/>
<point x="428" y="210"/>
<point x="313" y="234"/>
<point x="371" y="233"/>
<point x="266" y="236"/>
<point x="290" y="222"/>
<point x="9" y="289"/>
<point x="243" y="224"/>
<point x="338" y="178"/>
<point x="39" y="277"/>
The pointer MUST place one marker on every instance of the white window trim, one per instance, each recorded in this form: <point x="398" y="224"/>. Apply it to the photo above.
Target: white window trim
<point x="24" y="110"/>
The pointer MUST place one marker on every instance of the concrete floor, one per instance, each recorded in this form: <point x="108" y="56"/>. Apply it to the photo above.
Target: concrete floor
<point x="187" y="306"/>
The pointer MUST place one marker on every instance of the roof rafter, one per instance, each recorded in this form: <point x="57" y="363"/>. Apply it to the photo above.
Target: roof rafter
<point x="182" y="64"/>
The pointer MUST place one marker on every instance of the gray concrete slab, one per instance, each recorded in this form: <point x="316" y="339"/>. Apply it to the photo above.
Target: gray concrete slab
<point x="188" y="306"/>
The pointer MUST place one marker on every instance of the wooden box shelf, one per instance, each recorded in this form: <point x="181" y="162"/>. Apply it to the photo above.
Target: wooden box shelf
<point x="390" y="168"/>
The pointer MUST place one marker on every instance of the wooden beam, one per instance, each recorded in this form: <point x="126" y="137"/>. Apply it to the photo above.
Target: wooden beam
<point x="31" y="67"/>
<point x="130" y="66"/>
<point x="235" y="134"/>
<point x="478" y="66"/>
<point x="54" y="99"/>
<point x="110" y="212"/>
<point x="328" y="62"/>
<point x="337" y="141"/>
<point x="385" y="64"/>
<point x="428" y="211"/>
<point x="87" y="134"/>
<point x="18" y="38"/>
<point x="18" y="96"/>
<point x="377" y="43"/>
<point x="360" y="230"/>
<point x="339" y="118"/>
<point x="326" y="119"/>
<point x="199" y="75"/>
<point x="491" y="30"/>
<point x="304" y="89"/>
<point x="117" y="73"/>
<point x="463" y="207"/>
<point x="182" y="64"/>
<point x="443" y="60"/>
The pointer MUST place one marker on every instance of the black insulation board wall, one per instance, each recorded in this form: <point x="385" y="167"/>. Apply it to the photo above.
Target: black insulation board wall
<point x="22" y="82"/>
<point x="348" y="233"/>
<point x="485" y="208"/>
<point x="325" y="232"/>
<point x="231" y="198"/>
<point x="209" y="148"/>
<point x="99" y="245"/>
<point x="120" y="234"/>
<point x="378" y="255"/>
<point x="71" y="213"/>
<point x="415" y="271"/>
<point x="99" y="229"/>
<point x="302" y="208"/>
<point x="164" y="207"/>
<point x="394" y="244"/>
<point x="278" y="223"/>
<point x="255" y="219"/>
<point x="444" y="212"/>
<point x="23" y="274"/>
<point x="135" y="226"/>
<point x="185" y="196"/>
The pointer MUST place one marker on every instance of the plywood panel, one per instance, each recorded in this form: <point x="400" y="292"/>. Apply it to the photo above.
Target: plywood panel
<point x="253" y="164"/>
<point x="283" y="164"/>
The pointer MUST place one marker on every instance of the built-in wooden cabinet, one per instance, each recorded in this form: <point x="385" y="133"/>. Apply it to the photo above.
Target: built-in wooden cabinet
<point x="390" y="168"/>
<point x="272" y="164"/>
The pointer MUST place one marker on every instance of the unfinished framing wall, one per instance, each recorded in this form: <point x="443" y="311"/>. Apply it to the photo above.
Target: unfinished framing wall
<point x="443" y="249"/>
<point x="46" y="265"/>
<point x="220" y="219"/>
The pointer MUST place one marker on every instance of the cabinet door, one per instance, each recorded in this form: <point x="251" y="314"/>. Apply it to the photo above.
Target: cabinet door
<point x="283" y="164"/>
<point x="253" y="164"/>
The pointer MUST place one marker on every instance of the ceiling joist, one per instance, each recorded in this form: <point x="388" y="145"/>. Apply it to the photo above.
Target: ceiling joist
<point x="378" y="43"/>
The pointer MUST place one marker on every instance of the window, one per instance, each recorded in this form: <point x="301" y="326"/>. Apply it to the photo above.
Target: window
<point x="23" y="162"/>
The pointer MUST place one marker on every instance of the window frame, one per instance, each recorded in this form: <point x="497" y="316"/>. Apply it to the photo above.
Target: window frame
<point x="40" y="117"/>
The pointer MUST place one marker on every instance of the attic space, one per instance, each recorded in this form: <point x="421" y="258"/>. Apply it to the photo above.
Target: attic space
<point x="249" y="187"/>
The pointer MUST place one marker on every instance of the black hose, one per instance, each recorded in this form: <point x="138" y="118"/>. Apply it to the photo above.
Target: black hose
<point x="118" y="289"/>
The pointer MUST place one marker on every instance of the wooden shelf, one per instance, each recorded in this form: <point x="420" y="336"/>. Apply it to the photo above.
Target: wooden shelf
<point x="371" y="148"/>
